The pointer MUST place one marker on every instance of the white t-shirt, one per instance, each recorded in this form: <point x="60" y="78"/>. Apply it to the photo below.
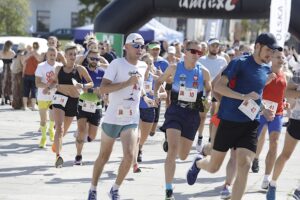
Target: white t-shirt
<point x="213" y="65"/>
<point x="123" y="107"/>
<point x="45" y="71"/>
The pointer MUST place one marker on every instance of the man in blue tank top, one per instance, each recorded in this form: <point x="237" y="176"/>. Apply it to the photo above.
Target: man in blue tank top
<point x="182" y="116"/>
<point x="241" y="86"/>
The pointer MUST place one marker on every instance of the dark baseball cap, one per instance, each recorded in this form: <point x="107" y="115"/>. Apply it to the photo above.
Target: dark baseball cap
<point x="269" y="40"/>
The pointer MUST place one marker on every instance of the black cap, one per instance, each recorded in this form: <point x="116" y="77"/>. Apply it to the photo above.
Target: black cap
<point x="269" y="40"/>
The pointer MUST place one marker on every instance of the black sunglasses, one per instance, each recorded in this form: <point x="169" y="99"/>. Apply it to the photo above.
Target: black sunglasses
<point x="137" y="46"/>
<point x="195" y="51"/>
<point x="94" y="59"/>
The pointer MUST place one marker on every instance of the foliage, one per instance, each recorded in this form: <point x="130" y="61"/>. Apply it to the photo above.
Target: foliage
<point x="14" y="17"/>
<point x="90" y="10"/>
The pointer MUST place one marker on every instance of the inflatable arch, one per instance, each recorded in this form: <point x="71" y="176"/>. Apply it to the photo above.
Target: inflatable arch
<point x="125" y="16"/>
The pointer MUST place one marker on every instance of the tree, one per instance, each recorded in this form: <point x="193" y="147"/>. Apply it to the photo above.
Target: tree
<point x="90" y="10"/>
<point x="14" y="17"/>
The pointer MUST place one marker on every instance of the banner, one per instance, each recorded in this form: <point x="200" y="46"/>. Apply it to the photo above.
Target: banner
<point x="280" y="14"/>
<point x="115" y="41"/>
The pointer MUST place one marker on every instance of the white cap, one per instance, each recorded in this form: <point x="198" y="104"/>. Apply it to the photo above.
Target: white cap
<point x="134" y="38"/>
<point x="171" y="49"/>
<point x="213" y="41"/>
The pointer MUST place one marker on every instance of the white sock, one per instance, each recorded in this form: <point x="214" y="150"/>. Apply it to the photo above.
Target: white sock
<point x="93" y="188"/>
<point x="266" y="177"/>
<point x="115" y="187"/>
<point x="273" y="183"/>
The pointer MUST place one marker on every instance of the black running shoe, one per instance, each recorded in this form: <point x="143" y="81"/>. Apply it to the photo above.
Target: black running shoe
<point x="59" y="162"/>
<point x="165" y="146"/>
<point x="255" y="166"/>
<point x="139" y="157"/>
<point x="78" y="160"/>
<point x="169" y="195"/>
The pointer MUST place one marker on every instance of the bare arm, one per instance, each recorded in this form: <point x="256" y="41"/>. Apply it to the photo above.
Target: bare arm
<point x="170" y="71"/>
<point x="39" y="83"/>
<point x="84" y="73"/>
<point x="291" y="90"/>
<point x="103" y="62"/>
<point x="207" y="82"/>
<point x="107" y="86"/>
<point x="222" y="88"/>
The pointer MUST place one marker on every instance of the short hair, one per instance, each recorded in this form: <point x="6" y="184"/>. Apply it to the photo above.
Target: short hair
<point x="145" y="56"/>
<point x="70" y="46"/>
<point x="35" y="45"/>
<point x="192" y="42"/>
<point x="52" y="49"/>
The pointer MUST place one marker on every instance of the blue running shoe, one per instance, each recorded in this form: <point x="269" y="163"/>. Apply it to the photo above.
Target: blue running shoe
<point x="296" y="194"/>
<point x="271" y="193"/>
<point x="225" y="193"/>
<point x="114" y="194"/>
<point x="92" y="195"/>
<point x="192" y="174"/>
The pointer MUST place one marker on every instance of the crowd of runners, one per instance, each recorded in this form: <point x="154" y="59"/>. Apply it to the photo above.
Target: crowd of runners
<point x="245" y="91"/>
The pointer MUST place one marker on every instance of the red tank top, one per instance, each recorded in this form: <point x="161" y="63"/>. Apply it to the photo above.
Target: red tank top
<point x="274" y="91"/>
<point x="31" y="65"/>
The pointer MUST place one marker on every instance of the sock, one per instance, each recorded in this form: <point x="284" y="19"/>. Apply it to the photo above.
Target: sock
<point x="93" y="188"/>
<point x="89" y="139"/>
<point x="266" y="177"/>
<point x="115" y="186"/>
<point x="273" y="183"/>
<point x="44" y="130"/>
<point x="169" y="186"/>
<point x="51" y="124"/>
<point x="298" y="188"/>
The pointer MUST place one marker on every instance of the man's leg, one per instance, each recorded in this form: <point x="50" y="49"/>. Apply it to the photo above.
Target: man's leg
<point x="244" y="160"/>
<point x="260" y="145"/>
<point x="81" y="124"/>
<point x="200" y="131"/>
<point x="43" y="127"/>
<point x="212" y="163"/>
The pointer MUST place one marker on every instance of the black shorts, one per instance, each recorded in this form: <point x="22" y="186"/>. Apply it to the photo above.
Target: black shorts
<point x="232" y="134"/>
<point x="156" y="114"/>
<point x="70" y="108"/>
<point x="294" y="128"/>
<point x="184" y="119"/>
<point x="147" y="114"/>
<point x="92" y="118"/>
<point x="168" y="86"/>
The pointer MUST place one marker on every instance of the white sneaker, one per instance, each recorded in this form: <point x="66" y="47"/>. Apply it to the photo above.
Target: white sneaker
<point x="225" y="192"/>
<point x="265" y="185"/>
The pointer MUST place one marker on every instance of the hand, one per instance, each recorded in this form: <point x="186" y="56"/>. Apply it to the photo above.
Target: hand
<point x="206" y="104"/>
<point x="271" y="77"/>
<point x="45" y="90"/>
<point x="133" y="80"/>
<point x="251" y="95"/>
<point x="150" y="102"/>
<point x="268" y="114"/>
<point x="159" y="72"/>
<point x="286" y="105"/>
<point x="79" y="86"/>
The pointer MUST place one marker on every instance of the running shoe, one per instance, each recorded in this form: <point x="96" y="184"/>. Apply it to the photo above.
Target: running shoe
<point x="296" y="194"/>
<point x="226" y="192"/>
<point x="59" y="162"/>
<point x="265" y="185"/>
<point x="165" y="146"/>
<point x="114" y="194"/>
<point x="139" y="157"/>
<point x="51" y="134"/>
<point x="169" y="195"/>
<point x="152" y="134"/>
<point x="92" y="195"/>
<point x="255" y="166"/>
<point x="136" y="168"/>
<point x="43" y="142"/>
<point x="192" y="173"/>
<point x="199" y="145"/>
<point x="271" y="193"/>
<point x="78" y="160"/>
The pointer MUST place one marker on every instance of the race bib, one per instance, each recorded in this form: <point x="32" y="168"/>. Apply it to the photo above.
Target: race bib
<point x="249" y="108"/>
<point x="124" y="112"/>
<point x="60" y="100"/>
<point x="187" y="94"/>
<point x="148" y="86"/>
<point x="89" y="106"/>
<point x="271" y="105"/>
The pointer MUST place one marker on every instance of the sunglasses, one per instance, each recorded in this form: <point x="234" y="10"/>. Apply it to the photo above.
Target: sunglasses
<point x="195" y="51"/>
<point x="94" y="59"/>
<point x="137" y="46"/>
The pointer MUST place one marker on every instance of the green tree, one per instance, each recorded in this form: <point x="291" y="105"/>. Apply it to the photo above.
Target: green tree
<point x="90" y="10"/>
<point x="14" y="17"/>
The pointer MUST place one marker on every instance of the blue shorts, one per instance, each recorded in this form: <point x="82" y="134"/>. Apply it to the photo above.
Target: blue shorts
<point x="274" y="125"/>
<point x="184" y="119"/>
<point x="114" y="131"/>
<point x="147" y="114"/>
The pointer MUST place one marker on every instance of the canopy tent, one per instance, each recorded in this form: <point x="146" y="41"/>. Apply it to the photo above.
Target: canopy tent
<point x="153" y="30"/>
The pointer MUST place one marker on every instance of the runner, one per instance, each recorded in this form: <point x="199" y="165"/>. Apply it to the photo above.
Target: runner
<point x="89" y="106"/>
<point x="123" y="81"/>
<point x="43" y="78"/>
<point x="182" y="116"/>
<point x="239" y="129"/>
<point x="69" y="81"/>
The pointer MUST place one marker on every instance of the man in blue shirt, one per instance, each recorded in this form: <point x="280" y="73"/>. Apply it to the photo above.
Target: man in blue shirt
<point x="242" y="82"/>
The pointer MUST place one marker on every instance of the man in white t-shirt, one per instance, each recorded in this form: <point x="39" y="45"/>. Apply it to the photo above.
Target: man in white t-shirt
<point x="43" y="78"/>
<point x="123" y="81"/>
<point x="215" y="64"/>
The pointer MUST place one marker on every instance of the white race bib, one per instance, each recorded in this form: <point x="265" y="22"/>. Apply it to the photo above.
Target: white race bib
<point x="89" y="106"/>
<point x="148" y="86"/>
<point x="124" y="112"/>
<point x="271" y="105"/>
<point x="60" y="100"/>
<point x="249" y="108"/>
<point x="187" y="94"/>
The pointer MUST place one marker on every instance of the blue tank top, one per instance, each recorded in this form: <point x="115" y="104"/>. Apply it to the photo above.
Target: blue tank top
<point x="185" y="80"/>
<point x="96" y="76"/>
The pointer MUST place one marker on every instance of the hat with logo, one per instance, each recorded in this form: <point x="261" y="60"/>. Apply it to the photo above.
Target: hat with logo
<point x="269" y="40"/>
<point x="213" y="41"/>
<point x="171" y="49"/>
<point x="134" y="38"/>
